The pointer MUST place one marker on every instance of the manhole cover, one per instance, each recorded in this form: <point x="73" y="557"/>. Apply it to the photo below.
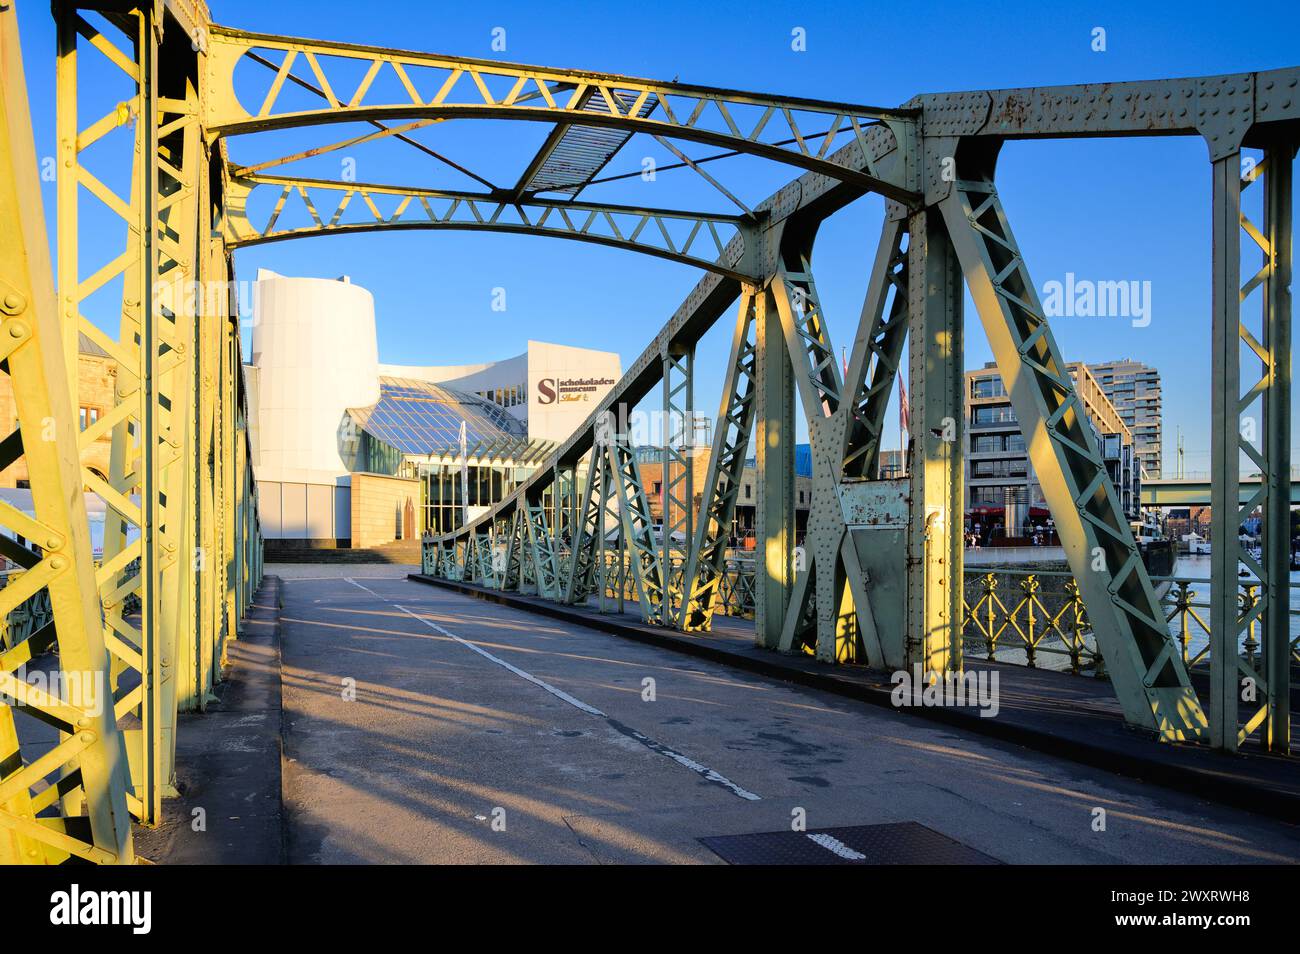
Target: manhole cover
<point x="898" y="843"/>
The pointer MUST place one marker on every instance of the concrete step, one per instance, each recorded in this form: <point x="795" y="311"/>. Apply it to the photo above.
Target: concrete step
<point x="399" y="551"/>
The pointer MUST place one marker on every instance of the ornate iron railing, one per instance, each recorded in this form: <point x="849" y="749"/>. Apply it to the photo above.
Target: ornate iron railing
<point x="1013" y="611"/>
<point x="735" y="595"/>
<point x="35" y="612"/>
<point x="1023" y="616"/>
<point x="27" y="617"/>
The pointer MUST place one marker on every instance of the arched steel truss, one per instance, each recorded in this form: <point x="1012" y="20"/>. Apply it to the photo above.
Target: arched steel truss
<point x="714" y="243"/>
<point x="882" y="579"/>
<point x="446" y="88"/>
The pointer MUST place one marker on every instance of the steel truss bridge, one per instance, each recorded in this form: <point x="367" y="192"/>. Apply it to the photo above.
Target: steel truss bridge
<point x="881" y="583"/>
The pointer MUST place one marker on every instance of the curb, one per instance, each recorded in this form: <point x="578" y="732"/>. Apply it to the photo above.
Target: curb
<point x="230" y="757"/>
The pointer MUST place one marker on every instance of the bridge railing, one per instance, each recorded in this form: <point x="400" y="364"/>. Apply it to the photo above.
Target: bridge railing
<point x="35" y="612"/>
<point x="1034" y="618"/>
<point x="1016" y="615"/>
<point x="26" y="618"/>
<point x="735" y="594"/>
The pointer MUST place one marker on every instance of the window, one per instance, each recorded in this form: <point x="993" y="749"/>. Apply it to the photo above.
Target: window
<point x="987" y="444"/>
<point x="988" y="388"/>
<point x="998" y="414"/>
<point x="997" y="496"/>
<point x="89" y="415"/>
<point x="998" y="468"/>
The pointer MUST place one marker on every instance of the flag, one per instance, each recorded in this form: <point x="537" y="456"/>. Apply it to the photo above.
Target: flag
<point x="904" y="418"/>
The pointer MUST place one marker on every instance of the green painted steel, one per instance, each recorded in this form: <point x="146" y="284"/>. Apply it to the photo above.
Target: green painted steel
<point x="181" y="472"/>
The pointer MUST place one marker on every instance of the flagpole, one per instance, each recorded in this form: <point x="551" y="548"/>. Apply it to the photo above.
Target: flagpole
<point x="904" y="414"/>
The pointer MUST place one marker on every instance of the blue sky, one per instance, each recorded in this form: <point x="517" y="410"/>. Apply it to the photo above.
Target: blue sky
<point x="1133" y="210"/>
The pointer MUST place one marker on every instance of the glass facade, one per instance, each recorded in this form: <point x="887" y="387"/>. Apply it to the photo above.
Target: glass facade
<point x="444" y="491"/>
<point x="998" y="443"/>
<point x="416" y="417"/>
<point x="1134" y="389"/>
<point x="514" y="396"/>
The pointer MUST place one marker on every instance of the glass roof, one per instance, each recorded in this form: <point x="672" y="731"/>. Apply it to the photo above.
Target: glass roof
<point x="417" y="417"/>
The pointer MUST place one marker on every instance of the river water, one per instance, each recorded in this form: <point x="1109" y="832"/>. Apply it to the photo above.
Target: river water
<point x="1198" y="568"/>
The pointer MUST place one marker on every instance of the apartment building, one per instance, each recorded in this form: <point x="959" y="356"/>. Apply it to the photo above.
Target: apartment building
<point x="1134" y="390"/>
<point x="1003" y="496"/>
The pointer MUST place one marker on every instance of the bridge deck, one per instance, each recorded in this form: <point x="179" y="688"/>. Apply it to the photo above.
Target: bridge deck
<point x="464" y="706"/>
<point x="1053" y="712"/>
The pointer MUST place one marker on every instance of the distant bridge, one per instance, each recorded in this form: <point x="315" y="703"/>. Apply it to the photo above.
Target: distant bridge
<point x="1195" y="491"/>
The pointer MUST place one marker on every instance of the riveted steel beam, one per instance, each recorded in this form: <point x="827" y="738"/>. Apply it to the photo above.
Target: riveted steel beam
<point x="808" y="131"/>
<point x="1251" y="412"/>
<point x="774" y="518"/>
<point x="933" y="637"/>
<point x="706" y="559"/>
<point x="1142" y="657"/>
<point x="1223" y="108"/>
<point x="314" y="207"/>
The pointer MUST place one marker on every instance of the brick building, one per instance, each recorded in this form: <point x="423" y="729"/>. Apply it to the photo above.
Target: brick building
<point x="96" y="385"/>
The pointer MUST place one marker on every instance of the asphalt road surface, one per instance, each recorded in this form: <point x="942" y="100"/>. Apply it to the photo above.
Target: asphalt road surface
<point x="422" y="726"/>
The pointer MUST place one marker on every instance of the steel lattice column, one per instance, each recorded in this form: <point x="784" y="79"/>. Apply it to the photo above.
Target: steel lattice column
<point x="1241" y="684"/>
<point x="774" y="439"/>
<point x="934" y="454"/>
<point x="877" y="350"/>
<point x="677" y="481"/>
<point x="70" y="801"/>
<point x="1143" y="659"/>
<point x="706" y="560"/>
<point x="628" y="491"/>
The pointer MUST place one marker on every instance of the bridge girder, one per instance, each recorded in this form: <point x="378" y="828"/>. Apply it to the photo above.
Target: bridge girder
<point x="638" y="229"/>
<point x="1173" y="492"/>
<point x="463" y="88"/>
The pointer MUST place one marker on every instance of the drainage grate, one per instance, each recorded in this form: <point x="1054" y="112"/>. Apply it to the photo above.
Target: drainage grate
<point x="899" y="843"/>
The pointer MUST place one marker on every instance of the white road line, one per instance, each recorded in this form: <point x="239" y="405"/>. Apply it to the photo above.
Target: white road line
<point x="685" y="761"/>
<point x="558" y="693"/>
<point x="318" y="579"/>
<point x="366" y="588"/>
<point x="833" y="844"/>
